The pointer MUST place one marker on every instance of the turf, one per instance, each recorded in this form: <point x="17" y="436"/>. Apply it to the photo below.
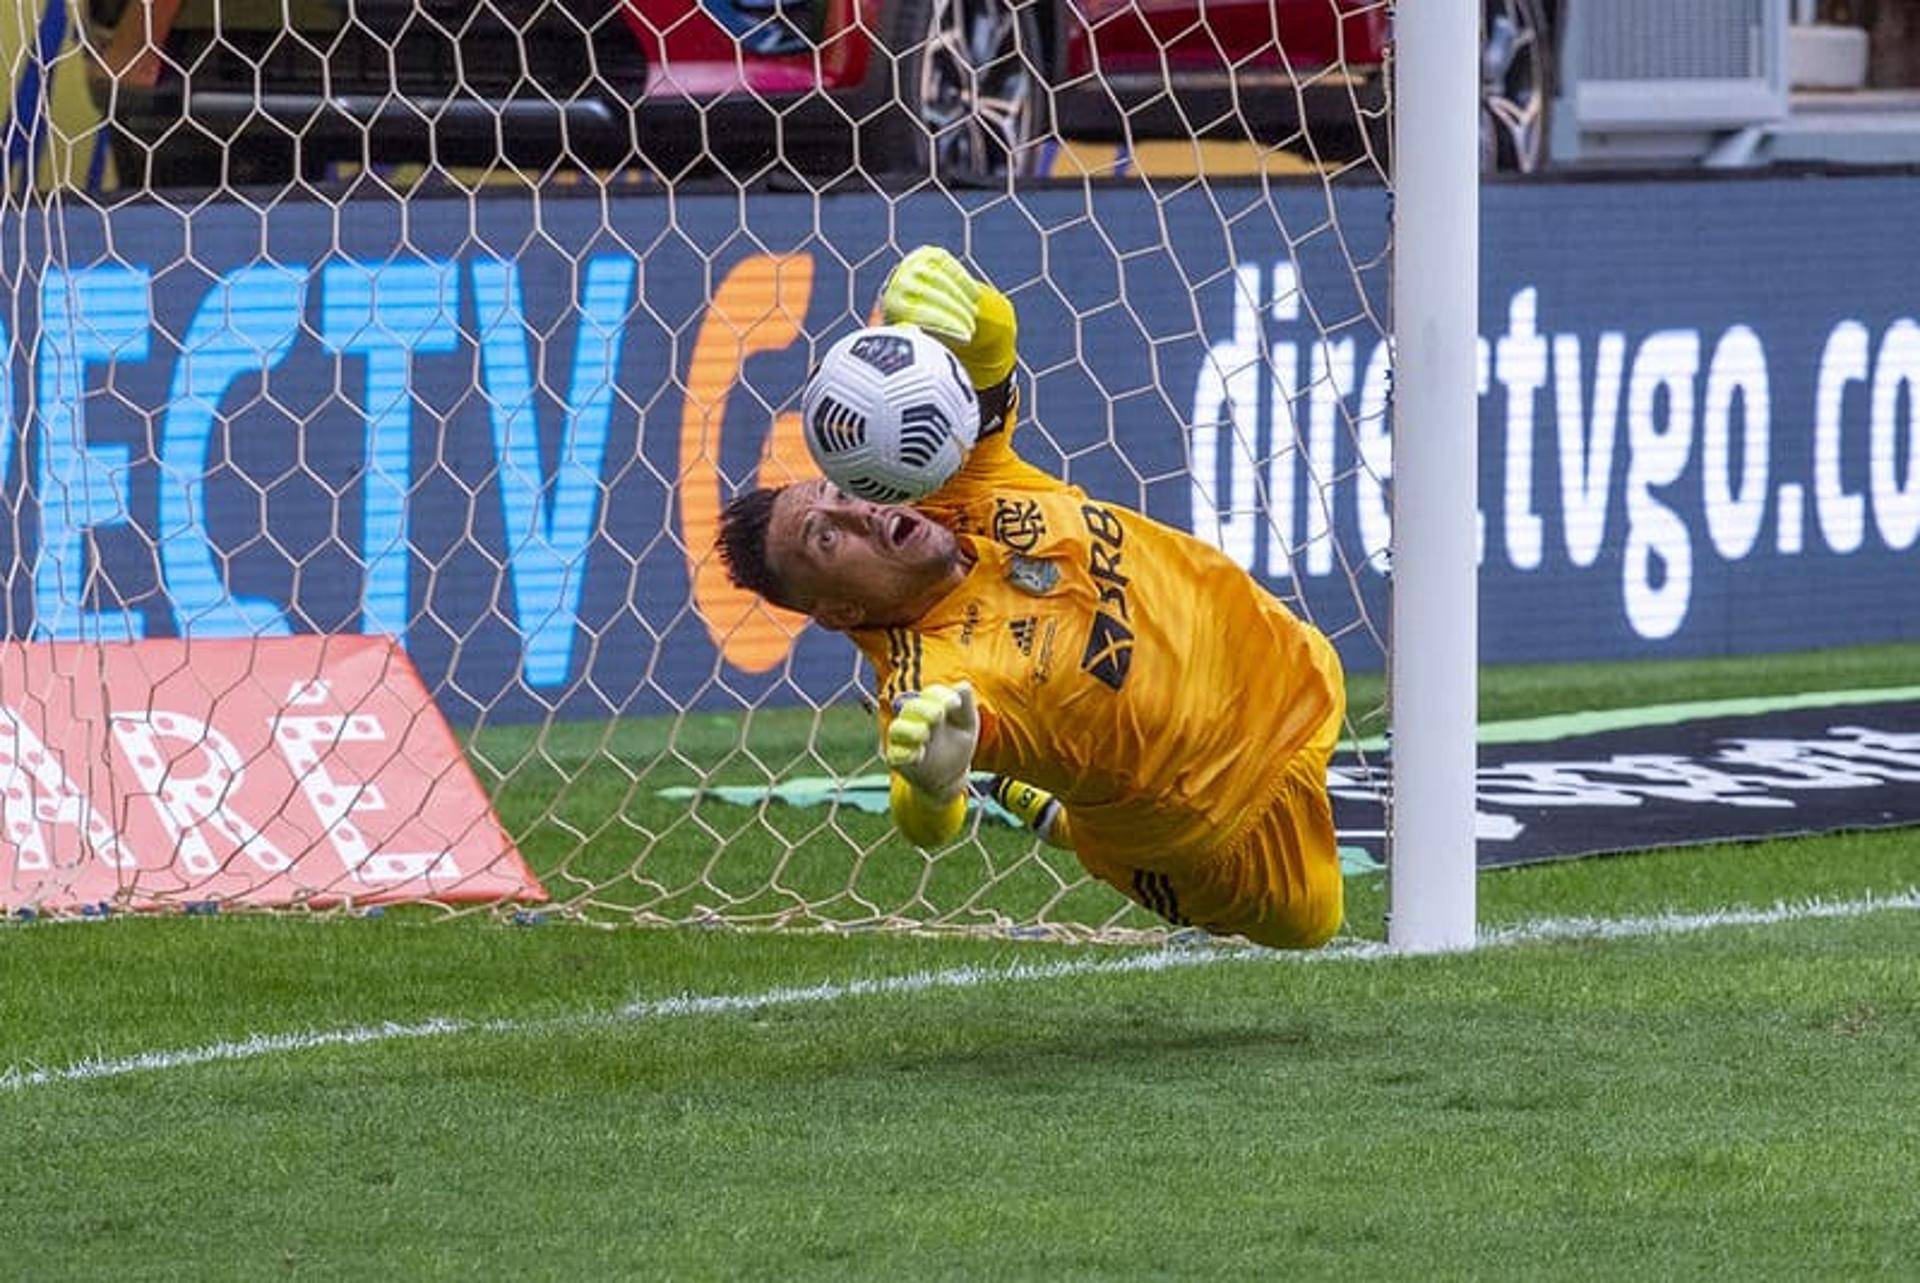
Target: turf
<point x="1724" y="1102"/>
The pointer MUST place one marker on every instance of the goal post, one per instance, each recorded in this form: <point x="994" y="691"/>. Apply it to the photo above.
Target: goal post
<point x="1435" y="308"/>
<point x="461" y="331"/>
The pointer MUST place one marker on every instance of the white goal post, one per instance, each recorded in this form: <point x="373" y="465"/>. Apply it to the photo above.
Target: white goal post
<point x="1433" y="668"/>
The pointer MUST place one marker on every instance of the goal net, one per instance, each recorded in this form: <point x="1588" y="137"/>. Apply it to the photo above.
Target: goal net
<point x="458" y="323"/>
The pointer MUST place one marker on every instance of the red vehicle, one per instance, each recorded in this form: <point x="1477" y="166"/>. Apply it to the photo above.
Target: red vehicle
<point x="822" y="89"/>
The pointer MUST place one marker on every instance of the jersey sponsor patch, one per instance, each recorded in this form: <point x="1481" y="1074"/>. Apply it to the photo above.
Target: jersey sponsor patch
<point x="1109" y="654"/>
<point x="1032" y="575"/>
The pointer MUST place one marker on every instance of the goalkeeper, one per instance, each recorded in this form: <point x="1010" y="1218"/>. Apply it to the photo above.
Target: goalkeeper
<point x="1147" y="704"/>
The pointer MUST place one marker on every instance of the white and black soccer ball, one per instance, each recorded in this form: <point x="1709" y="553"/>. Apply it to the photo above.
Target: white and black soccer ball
<point x="890" y="414"/>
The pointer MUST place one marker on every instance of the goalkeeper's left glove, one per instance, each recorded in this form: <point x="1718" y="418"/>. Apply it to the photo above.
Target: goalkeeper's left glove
<point x="931" y="289"/>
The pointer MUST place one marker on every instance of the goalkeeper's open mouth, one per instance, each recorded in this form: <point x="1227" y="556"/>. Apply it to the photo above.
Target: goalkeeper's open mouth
<point x="903" y="527"/>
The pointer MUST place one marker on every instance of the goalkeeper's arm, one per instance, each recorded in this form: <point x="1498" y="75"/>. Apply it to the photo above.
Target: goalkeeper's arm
<point x="930" y="747"/>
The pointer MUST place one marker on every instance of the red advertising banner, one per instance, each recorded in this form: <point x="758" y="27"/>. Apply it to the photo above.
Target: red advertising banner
<point x="269" y="773"/>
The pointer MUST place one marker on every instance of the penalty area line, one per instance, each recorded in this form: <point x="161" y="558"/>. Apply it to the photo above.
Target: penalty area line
<point x="1538" y="931"/>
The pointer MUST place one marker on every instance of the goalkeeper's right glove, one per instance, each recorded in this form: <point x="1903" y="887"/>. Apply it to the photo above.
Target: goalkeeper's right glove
<point x="930" y="748"/>
<point x="931" y="289"/>
<point x="930" y="743"/>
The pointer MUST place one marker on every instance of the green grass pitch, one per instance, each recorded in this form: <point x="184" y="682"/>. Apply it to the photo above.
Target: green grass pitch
<point x="411" y="1097"/>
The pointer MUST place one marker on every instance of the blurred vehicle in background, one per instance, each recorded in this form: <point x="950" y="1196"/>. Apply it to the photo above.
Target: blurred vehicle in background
<point x="204" y="92"/>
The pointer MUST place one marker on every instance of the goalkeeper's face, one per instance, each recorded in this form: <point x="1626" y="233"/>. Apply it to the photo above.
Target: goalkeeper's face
<point x="854" y="564"/>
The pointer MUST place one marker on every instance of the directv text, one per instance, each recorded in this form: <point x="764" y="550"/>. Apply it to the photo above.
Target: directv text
<point x="1657" y="448"/>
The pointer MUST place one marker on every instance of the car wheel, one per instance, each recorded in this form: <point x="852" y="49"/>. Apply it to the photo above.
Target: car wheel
<point x="961" y="96"/>
<point x="1516" y="86"/>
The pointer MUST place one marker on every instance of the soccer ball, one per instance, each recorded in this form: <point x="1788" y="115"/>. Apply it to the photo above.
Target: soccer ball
<point x="890" y="414"/>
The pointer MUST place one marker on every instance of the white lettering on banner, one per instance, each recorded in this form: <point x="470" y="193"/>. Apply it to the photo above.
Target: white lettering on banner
<point x="35" y="792"/>
<point x="1790" y="535"/>
<point x="1896" y="385"/>
<point x="1821" y="763"/>
<point x="244" y="327"/>
<point x="1520" y="363"/>
<point x="191" y="781"/>
<point x="1737" y="376"/>
<point x="1482" y="370"/>
<point x="1375" y="447"/>
<point x="1226" y="402"/>
<point x="1628" y="420"/>
<point x="1586" y="440"/>
<point x="1283" y="427"/>
<point x="1889" y="754"/>
<point x="1330" y="385"/>
<point x="1843" y="361"/>
<point x="386" y="316"/>
<point x="1361" y="785"/>
<point x="1752" y="773"/>
<point x="1622" y="780"/>
<point x="306" y="742"/>
<point x="1658" y="563"/>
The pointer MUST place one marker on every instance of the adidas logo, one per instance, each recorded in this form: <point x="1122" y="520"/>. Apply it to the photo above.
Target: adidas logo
<point x="1022" y="630"/>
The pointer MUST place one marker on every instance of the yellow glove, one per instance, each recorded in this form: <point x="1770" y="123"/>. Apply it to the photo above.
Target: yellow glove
<point x="931" y="740"/>
<point x="929" y="288"/>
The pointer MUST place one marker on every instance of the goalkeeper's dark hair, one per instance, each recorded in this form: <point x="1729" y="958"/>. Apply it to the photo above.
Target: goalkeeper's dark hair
<point x="742" y="544"/>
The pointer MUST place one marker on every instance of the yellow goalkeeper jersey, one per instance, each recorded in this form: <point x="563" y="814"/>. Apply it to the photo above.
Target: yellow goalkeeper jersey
<point x="1129" y="668"/>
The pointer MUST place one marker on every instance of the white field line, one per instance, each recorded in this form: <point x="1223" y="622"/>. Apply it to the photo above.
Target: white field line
<point x="258" y="1046"/>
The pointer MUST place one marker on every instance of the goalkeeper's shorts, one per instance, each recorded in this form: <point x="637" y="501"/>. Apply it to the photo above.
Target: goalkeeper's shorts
<point x="1279" y="885"/>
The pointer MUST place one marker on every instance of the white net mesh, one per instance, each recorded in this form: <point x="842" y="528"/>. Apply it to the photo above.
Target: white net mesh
<point x="459" y="323"/>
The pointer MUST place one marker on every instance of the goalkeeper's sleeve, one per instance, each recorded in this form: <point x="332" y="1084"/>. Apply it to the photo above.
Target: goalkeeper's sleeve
<point x="922" y="820"/>
<point x="988" y="355"/>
